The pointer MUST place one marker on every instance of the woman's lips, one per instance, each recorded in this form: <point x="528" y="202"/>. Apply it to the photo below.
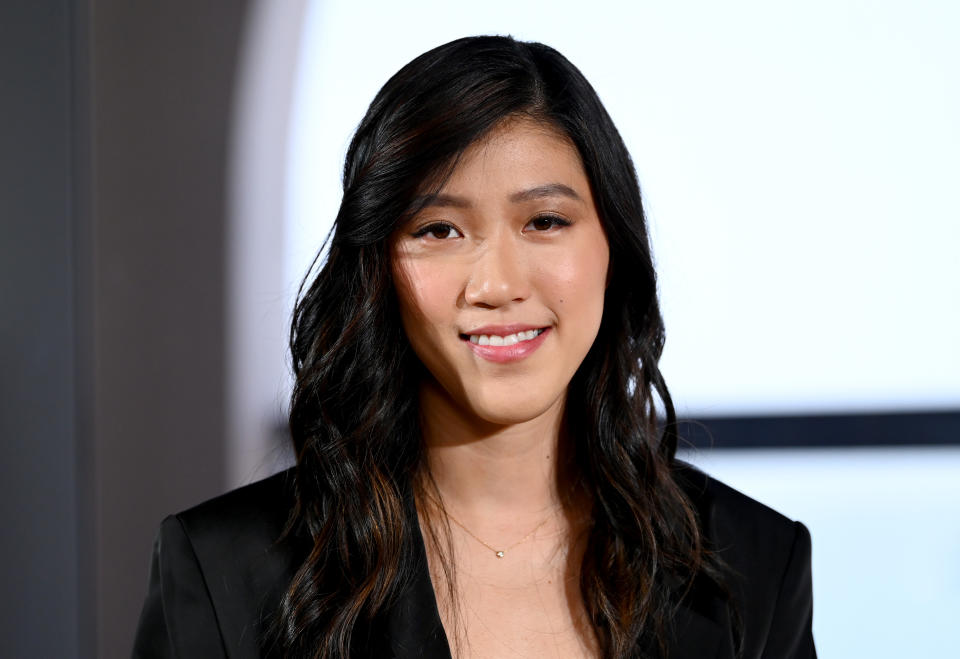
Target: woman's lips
<point x="522" y="348"/>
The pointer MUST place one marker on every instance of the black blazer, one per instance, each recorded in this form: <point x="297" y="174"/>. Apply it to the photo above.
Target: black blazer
<point x="218" y="574"/>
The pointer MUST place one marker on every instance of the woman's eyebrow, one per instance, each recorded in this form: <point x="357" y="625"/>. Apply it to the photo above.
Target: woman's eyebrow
<point x="443" y="200"/>
<point x="547" y="190"/>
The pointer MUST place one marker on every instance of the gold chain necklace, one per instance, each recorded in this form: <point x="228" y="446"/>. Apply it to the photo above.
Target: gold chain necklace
<point x="499" y="553"/>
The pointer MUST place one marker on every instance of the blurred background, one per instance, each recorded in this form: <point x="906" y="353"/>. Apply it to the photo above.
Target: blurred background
<point x="169" y="170"/>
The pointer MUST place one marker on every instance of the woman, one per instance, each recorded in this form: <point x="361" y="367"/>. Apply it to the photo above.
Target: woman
<point x="485" y="444"/>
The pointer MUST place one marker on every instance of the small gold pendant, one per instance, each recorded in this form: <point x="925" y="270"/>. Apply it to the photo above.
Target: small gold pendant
<point x="499" y="554"/>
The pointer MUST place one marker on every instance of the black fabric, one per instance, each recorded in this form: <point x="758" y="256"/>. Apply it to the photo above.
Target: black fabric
<point x="218" y="574"/>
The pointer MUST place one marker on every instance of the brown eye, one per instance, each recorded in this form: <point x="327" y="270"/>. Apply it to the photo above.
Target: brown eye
<point x="437" y="231"/>
<point x="547" y="222"/>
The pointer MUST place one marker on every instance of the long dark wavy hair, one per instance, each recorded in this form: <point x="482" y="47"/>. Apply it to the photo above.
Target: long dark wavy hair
<point x="354" y="413"/>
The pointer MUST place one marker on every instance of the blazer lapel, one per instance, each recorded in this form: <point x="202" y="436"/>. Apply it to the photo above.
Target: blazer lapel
<point x="413" y="627"/>
<point x="697" y="636"/>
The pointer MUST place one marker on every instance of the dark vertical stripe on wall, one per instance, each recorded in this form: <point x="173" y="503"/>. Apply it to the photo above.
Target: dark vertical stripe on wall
<point x="38" y="452"/>
<point x="81" y="191"/>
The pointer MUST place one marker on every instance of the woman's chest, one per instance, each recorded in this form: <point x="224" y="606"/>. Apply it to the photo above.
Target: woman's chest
<point x="513" y="614"/>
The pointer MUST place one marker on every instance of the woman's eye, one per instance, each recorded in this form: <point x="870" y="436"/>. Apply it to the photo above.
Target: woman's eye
<point x="438" y="231"/>
<point x="547" y="222"/>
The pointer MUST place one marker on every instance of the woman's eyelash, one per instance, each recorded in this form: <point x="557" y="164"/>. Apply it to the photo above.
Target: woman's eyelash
<point x="438" y="229"/>
<point x="442" y="230"/>
<point x="551" y="220"/>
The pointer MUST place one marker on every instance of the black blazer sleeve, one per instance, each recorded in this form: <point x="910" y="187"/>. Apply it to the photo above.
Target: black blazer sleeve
<point x="178" y="619"/>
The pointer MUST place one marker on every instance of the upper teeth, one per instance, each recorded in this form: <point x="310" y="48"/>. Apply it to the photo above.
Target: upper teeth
<point x="508" y="340"/>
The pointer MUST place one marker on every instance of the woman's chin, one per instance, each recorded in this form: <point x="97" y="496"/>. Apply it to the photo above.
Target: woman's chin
<point x="486" y="406"/>
<point x="508" y="410"/>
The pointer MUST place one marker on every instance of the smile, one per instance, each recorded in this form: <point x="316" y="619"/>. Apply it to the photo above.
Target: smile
<point x="504" y="348"/>
<point x="508" y="340"/>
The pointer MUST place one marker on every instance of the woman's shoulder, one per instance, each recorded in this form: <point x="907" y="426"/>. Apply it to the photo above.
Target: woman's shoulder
<point x="219" y="570"/>
<point x="238" y="539"/>
<point x="728" y="511"/>
<point x="767" y="556"/>
<point x="259" y="509"/>
<point x="746" y="533"/>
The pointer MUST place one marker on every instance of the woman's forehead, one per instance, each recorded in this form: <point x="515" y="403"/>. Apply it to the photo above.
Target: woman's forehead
<point x="519" y="157"/>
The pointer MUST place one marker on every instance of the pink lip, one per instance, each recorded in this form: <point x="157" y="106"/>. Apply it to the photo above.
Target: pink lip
<point x="503" y="354"/>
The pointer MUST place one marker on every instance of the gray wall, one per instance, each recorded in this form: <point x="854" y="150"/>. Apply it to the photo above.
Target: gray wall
<point x="113" y="149"/>
<point x="162" y="90"/>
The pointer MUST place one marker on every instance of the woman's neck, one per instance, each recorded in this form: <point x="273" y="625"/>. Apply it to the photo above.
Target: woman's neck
<point x="483" y="469"/>
<point x="504" y="491"/>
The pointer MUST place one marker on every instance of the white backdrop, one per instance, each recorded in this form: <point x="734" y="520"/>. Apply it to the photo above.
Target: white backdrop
<point x="800" y="163"/>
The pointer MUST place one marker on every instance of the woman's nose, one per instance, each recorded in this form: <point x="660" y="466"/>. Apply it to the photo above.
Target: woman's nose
<point x="498" y="276"/>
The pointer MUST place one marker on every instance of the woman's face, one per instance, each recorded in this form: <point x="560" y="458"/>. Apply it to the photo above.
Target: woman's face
<point x="501" y="278"/>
